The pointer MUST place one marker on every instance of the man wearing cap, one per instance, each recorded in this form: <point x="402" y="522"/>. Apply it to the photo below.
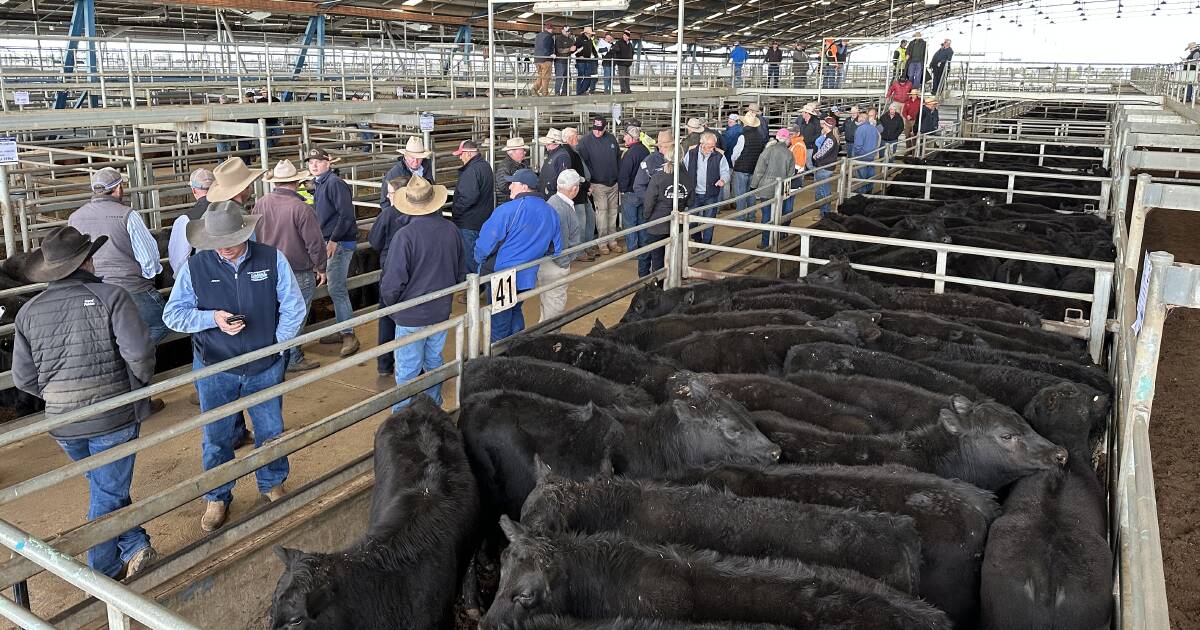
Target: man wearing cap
<point x="543" y="58"/>
<point x="75" y="344"/>
<point x="929" y="115"/>
<point x="335" y="210"/>
<point x="236" y="296"/>
<point x="601" y="154"/>
<point x="178" y="249"/>
<point x="745" y="157"/>
<point x="773" y="59"/>
<point x="414" y="160"/>
<point x="823" y="160"/>
<point x="564" y="45"/>
<point x="900" y="60"/>
<point x="570" y="224"/>
<point x="622" y="53"/>
<point x="651" y="166"/>
<point x="940" y="63"/>
<point x="729" y="137"/>
<point x="898" y="90"/>
<point x="867" y="140"/>
<point x="515" y="151"/>
<point x="425" y="257"/>
<point x="850" y="125"/>
<point x="290" y="226"/>
<point x="129" y="257"/>
<point x="604" y="50"/>
<point x="916" y="60"/>
<point x="775" y="163"/>
<point x="519" y="231"/>
<point x="810" y="126"/>
<point x="585" y="62"/>
<point x="474" y="195"/>
<point x="631" y="203"/>
<point x="705" y="173"/>
<point x="738" y="57"/>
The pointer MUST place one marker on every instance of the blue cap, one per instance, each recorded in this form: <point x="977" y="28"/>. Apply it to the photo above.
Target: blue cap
<point x="524" y="176"/>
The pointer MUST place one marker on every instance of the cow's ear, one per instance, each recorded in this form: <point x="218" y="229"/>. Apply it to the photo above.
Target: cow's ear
<point x="961" y="404"/>
<point x="289" y="557"/>
<point x="950" y="421"/>
<point x="689" y="298"/>
<point x="875" y="316"/>
<point x="512" y="530"/>
<point x="598" y="329"/>
<point x="317" y="600"/>
<point x="606" y="465"/>
<point x="541" y="469"/>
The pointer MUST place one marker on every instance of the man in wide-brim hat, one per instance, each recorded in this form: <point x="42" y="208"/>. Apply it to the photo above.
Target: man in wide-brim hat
<point x="234" y="180"/>
<point x="557" y="160"/>
<point x="290" y="226"/>
<point x="415" y="159"/>
<point x="76" y="344"/>
<point x="426" y="256"/>
<point x="236" y="296"/>
<point x="515" y="152"/>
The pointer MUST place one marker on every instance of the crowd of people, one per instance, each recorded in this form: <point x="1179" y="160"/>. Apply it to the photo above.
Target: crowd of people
<point x="553" y="53"/>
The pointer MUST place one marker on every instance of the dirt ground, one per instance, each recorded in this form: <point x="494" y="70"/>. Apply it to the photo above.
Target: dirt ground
<point x="1174" y="432"/>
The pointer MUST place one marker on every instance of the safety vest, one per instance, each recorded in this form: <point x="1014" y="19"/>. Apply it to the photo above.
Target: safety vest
<point x="304" y="194"/>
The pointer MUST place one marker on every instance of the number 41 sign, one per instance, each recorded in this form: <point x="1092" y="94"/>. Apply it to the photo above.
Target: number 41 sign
<point x="504" y="290"/>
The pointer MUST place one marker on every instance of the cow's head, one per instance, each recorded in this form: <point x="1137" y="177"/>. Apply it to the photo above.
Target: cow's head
<point x="995" y="446"/>
<point x="531" y="572"/>
<point x="306" y="596"/>
<point x="835" y="274"/>
<point x="710" y="427"/>
<point x="543" y="509"/>
<point x="862" y="325"/>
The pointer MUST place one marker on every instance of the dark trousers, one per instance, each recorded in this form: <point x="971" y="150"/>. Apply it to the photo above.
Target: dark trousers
<point x="387" y="332"/>
<point x="772" y="75"/>
<point x="560" y="77"/>
<point x="587" y="77"/>
<point x="658" y="255"/>
<point x="623" y="78"/>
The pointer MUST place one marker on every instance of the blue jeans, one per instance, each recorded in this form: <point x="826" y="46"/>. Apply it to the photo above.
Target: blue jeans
<point x="337" y="269"/>
<point x="150" y="305"/>
<point x="709" y="197"/>
<point x="587" y="77"/>
<point x="366" y="137"/>
<point x="741" y="185"/>
<point x="737" y="75"/>
<point x="631" y="212"/>
<point x="658" y="256"/>
<point x="272" y="133"/>
<point x="865" y="172"/>
<point x="823" y="189"/>
<point x="829" y="77"/>
<point x="219" y="437"/>
<point x="916" y="72"/>
<point x="224" y="147"/>
<point x="108" y="491"/>
<point x="469" y="237"/>
<point x="608" y="73"/>
<point x="508" y="323"/>
<point x="417" y="357"/>
<point x="560" y="76"/>
<point x="589" y="220"/>
<point x="385" y="364"/>
<point x="308" y="284"/>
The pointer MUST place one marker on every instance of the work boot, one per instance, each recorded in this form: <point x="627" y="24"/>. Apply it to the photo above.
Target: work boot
<point x="140" y="560"/>
<point x="157" y="405"/>
<point x="331" y="339"/>
<point x="194" y="398"/>
<point x="349" y="345"/>
<point x="303" y="365"/>
<point x="275" y="494"/>
<point x="603" y="249"/>
<point x="246" y="439"/>
<point x="215" y="513"/>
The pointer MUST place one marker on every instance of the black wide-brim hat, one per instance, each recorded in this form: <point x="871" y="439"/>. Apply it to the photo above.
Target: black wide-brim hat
<point x="62" y="252"/>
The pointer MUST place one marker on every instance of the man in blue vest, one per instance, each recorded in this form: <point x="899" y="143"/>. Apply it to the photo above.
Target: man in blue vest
<point x="705" y="173"/>
<point x="235" y="297"/>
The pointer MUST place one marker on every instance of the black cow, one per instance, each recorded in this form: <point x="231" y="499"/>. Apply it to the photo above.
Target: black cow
<point x="652" y="301"/>
<point x="952" y="516"/>
<point x="849" y="360"/>
<point x="1030" y="335"/>
<point x="1085" y="374"/>
<point x="986" y="444"/>
<point x="758" y="392"/>
<point x="1063" y="414"/>
<point x="898" y="405"/>
<point x="814" y="291"/>
<point x="758" y="301"/>
<point x="550" y="379"/>
<point x="608" y="575"/>
<point x="424" y="520"/>
<point x="615" y="361"/>
<point x="879" y="545"/>
<point x="557" y="622"/>
<point x="504" y="430"/>
<point x="760" y="349"/>
<point x="916" y="324"/>
<point x="649" y="334"/>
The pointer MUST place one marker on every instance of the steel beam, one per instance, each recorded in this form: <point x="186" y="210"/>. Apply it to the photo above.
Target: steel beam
<point x="217" y="127"/>
<point x="83" y="24"/>
<point x="314" y="33"/>
<point x="1164" y="161"/>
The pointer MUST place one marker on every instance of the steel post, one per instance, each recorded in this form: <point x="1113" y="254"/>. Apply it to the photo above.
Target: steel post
<point x="6" y="210"/>
<point x="474" y="325"/>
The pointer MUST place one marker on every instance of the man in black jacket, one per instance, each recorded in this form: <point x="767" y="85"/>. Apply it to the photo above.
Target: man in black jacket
<point x="78" y="343"/>
<point x="661" y="194"/>
<point x="940" y="63"/>
<point x="622" y="54"/>
<point x="543" y="58"/>
<point x="773" y="58"/>
<point x="583" y="205"/>
<point x="891" y="125"/>
<point x="631" y="204"/>
<point x="916" y="60"/>
<point x="515" y="151"/>
<point x="474" y="196"/>
<point x="564" y="45"/>
<point x="585" y="62"/>
<point x="557" y="160"/>
<point x="601" y="154"/>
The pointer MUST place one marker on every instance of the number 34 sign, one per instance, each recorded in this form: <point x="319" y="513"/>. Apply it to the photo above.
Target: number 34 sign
<point x="504" y="290"/>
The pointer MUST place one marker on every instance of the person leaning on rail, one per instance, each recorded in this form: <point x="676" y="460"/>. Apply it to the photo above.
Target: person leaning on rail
<point x="78" y="343"/>
<point x="235" y="297"/>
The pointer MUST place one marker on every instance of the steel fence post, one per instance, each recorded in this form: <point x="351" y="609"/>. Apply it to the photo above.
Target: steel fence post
<point x="676" y="243"/>
<point x="939" y="285"/>
<point x="474" y="321"/>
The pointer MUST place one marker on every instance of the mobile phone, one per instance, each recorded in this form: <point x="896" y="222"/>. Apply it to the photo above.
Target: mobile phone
<point x="233" y="319"/>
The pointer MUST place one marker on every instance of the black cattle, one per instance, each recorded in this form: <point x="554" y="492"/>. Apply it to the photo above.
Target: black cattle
<point x="850" y="360"/>
<point x="898" y="405"/>
<point x="504" y="430"/>
<point x="1048" y="562"/>
<point x="952" y="517"/>
<point x="615" y="361"/>
<point x="760" y="349"/>
<point x="653" y="301"/>
<point x="649" y="334"/>
<point x="986" y="444"/>
<point x="424" y="519"/>
<point x="550" y="379"/>
<point x="608" y="575"/>
<point x="880" y="545"/>
<point x="854" y="300"/>
<point x="1063" y="414"/>
<point x="758" y="392"/>
<point x="1031" y="336"/>
<point x="557" y="622"/>
<point x="928" y="325"/>
<point x="1085" y="374"/>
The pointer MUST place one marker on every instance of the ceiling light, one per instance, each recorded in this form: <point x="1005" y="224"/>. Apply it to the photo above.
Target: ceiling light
<point x="525" y="15"/>
<point x="557" y="6"/>
<point x="411" y="3"/>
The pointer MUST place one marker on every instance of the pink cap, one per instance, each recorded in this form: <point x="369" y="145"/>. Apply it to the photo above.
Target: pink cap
<point x="783" y="134"/>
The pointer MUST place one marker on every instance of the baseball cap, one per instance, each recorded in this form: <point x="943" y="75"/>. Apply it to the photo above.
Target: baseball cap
<point x="201" y="179"/>
<point x="599" y="123"/>
<point x="568" y="178"/>
<point x="316" y="153"/>
<point x="783" y="134"/>
<point x="633" y="132"/>
<point x="734" y="118"/>
<point x="523" y="176"/>
<point x="830" y="120"/>
<point x="466" y="145"/>
<point x="106" y="179"/>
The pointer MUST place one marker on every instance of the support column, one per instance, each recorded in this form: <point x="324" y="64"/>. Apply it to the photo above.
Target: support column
<point x="83" y="24"/>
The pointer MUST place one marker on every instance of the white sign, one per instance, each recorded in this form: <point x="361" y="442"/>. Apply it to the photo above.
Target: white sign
<point x="616" y="114"/>
<point x="8" y="151"/>
<point x="21" y="98"/>
<point x="426" y="122"/>
<point x="504" y="290"/>
<point x="193" y="137"/>
<point x="1142" y="293"/>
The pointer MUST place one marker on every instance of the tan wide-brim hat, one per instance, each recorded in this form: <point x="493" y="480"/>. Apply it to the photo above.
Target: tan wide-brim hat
<point x="224" y="224"/>
<point x="419" y="197"/>
<point x="1190" y="45"/>
<point x="694" y="124"/>
<point x="553" y="136"/>
<point x="931" y="99"/>
<point x="415" y="148"/>
<point x="750" y="120"/>
<point x="285" y="172"/>
<point x="232" y="177"/>
<point x="515" y="143"/>
<point x="808" y="109"/>
<point x="754" y="107"/>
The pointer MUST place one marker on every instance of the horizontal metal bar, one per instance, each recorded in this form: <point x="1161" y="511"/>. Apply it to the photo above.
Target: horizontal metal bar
<point x="23" y="618"/>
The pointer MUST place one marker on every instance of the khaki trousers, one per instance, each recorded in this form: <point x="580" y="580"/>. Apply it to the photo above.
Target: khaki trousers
<point x="554" y="301"/>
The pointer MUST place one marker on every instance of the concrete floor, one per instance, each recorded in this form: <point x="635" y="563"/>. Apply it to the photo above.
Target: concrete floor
<point x="59" y="509"/>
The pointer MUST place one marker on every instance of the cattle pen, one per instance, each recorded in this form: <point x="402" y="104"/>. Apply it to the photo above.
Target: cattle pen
<point x="1115" y="146"/>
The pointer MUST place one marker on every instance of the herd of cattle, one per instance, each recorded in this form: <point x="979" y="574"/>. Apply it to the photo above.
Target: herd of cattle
<point x="746" y="453"/>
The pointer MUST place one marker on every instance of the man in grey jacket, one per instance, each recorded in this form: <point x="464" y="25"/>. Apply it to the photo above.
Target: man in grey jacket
<point x="570" y="223"/>
<point x="775" y="163"/>
<point x="76" y="344"/>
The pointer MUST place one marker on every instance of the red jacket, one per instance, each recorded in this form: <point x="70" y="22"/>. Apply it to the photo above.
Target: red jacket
<point x="899" y="90"/>
<point x="911" y="107"/>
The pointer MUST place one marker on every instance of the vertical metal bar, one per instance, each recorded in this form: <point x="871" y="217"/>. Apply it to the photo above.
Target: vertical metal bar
<point x="491" y="68"/>
<point x="117" y="619"/>
<point x="129" y="74"/>
<point x="1101" y="293"/>
<point x="776" y="216"/>
<point x="1012" y="182"/>
<point x="928" y="183"/>
<point x="536" y="159"/>
<point x="474" y="325"/>
<point x="805" y="247"/>
<point x="6" y="210"/>
<point x="939" y="285"/>
<point x="677" y="241"/>
<point x="262" y="144"/>
<point x="460" y="357"/>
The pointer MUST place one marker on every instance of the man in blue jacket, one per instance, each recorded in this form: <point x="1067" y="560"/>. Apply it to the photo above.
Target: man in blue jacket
<point x="939" y="64"/>
<point x="335" y="210"/>
<point x="738" y="56"/>
<point x="387" y="224"/>
<point x="519" y="231"/>
<point x="729" y="137"/>
<point x="865" y="146"/>
<point x="631" y="204"/>
<point x="474" y="196"/>
<point x="424" y="257"/>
